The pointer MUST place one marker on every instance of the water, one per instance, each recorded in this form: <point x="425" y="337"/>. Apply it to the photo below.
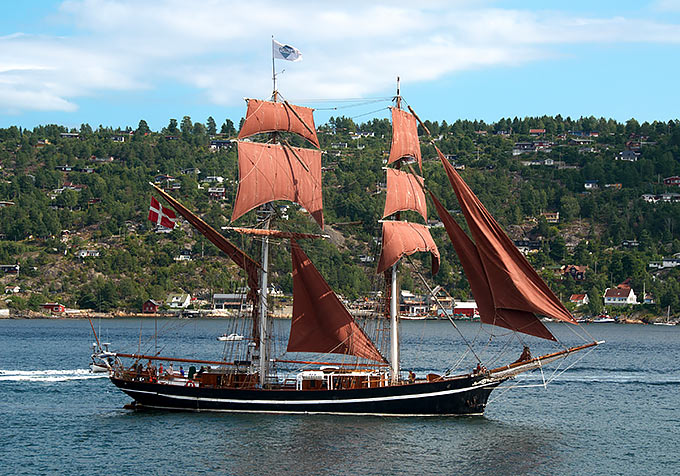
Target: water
<point x="615" y="411"/>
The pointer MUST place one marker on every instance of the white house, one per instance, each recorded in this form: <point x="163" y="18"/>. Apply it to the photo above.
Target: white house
<point x="621" y="295"/>
<point x="579" y="299"/>
<point x="179" y="301"/>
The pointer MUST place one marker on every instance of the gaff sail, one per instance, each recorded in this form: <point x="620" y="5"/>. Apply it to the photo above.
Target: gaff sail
<point x="513" y="282"/>
<point x="267" y="116"/>
<point x="520" y="321"/>
<point x="321" y="323"/>
<point x="401" y="238"/>
<point x="269" y="172"/>
<point x="404" y="192"/>
<point x="404" y="137"/>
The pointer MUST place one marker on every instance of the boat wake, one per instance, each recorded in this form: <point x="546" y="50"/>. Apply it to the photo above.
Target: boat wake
<point x="48" y="375"/>
<point x="620" y="379"/>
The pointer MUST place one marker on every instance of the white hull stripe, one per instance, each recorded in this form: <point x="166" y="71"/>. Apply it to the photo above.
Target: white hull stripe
<point x="293" y="412"/>
<point x="315" y="402"/>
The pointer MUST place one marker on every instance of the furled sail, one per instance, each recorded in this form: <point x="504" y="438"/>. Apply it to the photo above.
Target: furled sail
<point x="267" y="116"/>
<point x="404" y="192"/>
<point x="269" y="172"/>
<point x="321" y="323"/>
<point x="238" y="256"/>
<point x="520" y="321"/>
<point x="513" y="282"/>
<point x="404" y="137"/>
<point x="401" y="238"/>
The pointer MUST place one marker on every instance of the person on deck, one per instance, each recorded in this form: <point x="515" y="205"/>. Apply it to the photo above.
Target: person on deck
<point x="526" y="355"/>
<point x="181" y="371"/>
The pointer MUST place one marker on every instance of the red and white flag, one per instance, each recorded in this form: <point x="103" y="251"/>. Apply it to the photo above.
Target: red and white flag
<point x="160" y="215"/>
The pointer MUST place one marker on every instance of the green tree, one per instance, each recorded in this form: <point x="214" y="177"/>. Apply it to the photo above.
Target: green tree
<point x="211" y="126"/>
<point x="172" y="127"/>
<point x="143" y="127"/>
<point x="228" y="128"/>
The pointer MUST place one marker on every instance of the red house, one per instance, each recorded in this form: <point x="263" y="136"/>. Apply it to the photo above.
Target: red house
<point x="53" y="307"/>
<point x="150" y="307"/>
<point x="673" y="181"/>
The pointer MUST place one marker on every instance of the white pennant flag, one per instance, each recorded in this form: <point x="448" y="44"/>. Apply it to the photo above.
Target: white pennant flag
<point x="285" y="52"/>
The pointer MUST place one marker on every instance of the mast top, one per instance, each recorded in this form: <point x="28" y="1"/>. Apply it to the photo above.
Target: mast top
<point x="397" y="98"/>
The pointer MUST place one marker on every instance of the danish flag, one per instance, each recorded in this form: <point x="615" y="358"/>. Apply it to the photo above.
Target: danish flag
<point x="160" y="215"/>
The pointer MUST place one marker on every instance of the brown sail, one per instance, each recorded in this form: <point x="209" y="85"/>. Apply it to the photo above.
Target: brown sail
<point x="267" y="116"/>
<point x="238" y="256"/>
<point x="404" y="137"/>
<point x="513" y="282"/>
<point x="321" y="323"/>
<point x="520" y="321"/>
<point x="269" y="172"/>
<point x="404" y="192"/>
<point x="401" y="238"/>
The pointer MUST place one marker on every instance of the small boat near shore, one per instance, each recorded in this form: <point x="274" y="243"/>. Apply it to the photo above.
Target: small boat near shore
<point x="230" y="337"/>
<point x="667" y="321"/>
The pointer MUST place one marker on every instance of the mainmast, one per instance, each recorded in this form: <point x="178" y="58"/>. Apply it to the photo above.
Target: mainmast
<point x="264" y="272"/>
<point x="275" y="170"/>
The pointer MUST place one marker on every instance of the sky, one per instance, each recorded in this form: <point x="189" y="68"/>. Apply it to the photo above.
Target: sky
<point x="114" y="62"/>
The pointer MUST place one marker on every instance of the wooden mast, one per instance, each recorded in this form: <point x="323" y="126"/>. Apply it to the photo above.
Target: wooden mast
<point x="264" y="272"/>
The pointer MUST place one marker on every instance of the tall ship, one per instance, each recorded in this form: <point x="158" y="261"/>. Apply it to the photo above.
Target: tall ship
<point x="350" y="374"/>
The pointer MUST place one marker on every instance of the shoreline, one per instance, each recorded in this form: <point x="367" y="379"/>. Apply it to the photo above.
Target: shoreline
<point x="221" y="314"/>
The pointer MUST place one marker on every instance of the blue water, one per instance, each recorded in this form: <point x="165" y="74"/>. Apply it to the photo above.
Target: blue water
<point x="615" y="411"/>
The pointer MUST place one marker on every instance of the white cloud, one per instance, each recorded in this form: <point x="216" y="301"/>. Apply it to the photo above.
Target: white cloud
<point x="667" y="5"/>
<point x="351" y="49"/>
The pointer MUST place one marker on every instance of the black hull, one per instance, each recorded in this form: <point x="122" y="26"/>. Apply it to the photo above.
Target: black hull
<point x="466" y="395"/>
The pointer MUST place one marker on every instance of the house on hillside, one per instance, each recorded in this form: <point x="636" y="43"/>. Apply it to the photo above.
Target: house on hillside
<point x="551" y="217"/>
<point x="591" y="184"/>
<point x="527" y="246"/>
<point x="217" y="144"/>
<point x="628" y="156"/>
<point x="536" y="132"/>
<point x="218" y="193"/>
<point x="673" y="181"/>
<point x="621" y="295"/>
<point x="178" y="301"/>
<point x="150" y="306"/>
<point x="233" y="301"/>
<point x="412" y="305"/>
<point x="53" y="307"/>
<point x="579" y="299"/>
<point x="9" y="268"/>
<point x="88" y="254"/>
<point x="578" y="273"/>
<point x="12" y="289"/>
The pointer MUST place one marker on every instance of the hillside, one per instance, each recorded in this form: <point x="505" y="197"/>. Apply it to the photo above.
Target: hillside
<point x="63" y="192"/>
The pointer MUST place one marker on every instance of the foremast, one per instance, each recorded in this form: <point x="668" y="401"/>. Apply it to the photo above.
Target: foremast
<point x="395" y="357"/>
<point x="401" y="238"/>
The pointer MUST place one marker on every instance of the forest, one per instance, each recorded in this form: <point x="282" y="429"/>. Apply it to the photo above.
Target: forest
<point x="65" y="191"/>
